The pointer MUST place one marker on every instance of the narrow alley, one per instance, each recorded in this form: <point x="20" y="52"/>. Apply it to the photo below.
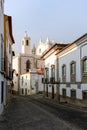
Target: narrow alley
<point x="37" y="113"/>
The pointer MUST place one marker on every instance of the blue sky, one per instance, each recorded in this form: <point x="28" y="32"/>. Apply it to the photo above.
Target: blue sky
<point x="60" y="20"/>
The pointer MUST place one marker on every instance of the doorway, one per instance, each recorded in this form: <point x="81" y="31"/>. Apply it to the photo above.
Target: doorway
<point x="52" y="91"/>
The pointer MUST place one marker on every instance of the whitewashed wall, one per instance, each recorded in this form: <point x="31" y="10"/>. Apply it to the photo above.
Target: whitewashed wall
<point x="40" y="85"/>
<point x="15" y="63"/>
<point x="67" y="58"/>
<point x="75" y="54"/>
<point x="15" y="81"/>
<point x="26" y="82"/>
<point x="48" y="62"/>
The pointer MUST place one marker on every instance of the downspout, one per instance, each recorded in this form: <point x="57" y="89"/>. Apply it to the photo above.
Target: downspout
<point x="58" y="84"/>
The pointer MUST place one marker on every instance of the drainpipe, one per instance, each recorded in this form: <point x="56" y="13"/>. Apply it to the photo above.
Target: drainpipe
<point x="58" y="84"/>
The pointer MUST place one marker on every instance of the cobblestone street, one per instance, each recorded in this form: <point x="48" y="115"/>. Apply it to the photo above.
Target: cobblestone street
<point x="36" y="113"/>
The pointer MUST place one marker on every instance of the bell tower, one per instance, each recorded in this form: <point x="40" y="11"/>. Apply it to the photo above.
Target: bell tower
<point x="26" y="44"/>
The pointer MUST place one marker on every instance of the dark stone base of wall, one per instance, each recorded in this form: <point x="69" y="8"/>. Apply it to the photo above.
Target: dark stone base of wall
<point x="15" y="92"/>
<point x="78" y="102"/>
<point x="50" y="96"/>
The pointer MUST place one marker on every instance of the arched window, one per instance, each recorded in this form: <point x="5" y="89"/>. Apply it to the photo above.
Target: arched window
<point x="26" y="42"/>
<point x="28" y="65"/>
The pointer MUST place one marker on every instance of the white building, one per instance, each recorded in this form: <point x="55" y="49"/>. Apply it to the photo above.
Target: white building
<point x="28" y="83"/>
<point x="73" y="72"/>
<point x="50" y="71"/>
<point x="2" y="85"/>
<point x="31" y="82"/>
<point x="65" y="72"/>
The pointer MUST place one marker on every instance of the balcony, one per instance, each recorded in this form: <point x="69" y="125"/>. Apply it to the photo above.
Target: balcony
<point x="46" y="80"/>
<point x="2" y="65"/>
<point x="52" y="80"/>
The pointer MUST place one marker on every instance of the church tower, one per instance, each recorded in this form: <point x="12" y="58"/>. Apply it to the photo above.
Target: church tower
<point x="26" y="44"/>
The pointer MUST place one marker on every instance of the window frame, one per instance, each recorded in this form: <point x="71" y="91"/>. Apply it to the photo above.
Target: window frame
<point x="64" y="92"/>
<point x="53" y="71"/>
<point x="63" y="73"/>
<point x="73" y="75"/>
<point x="84" y="74"/>
<point x="84" y="94"/>
<point x="85" y="65"/>
<point x="73" y="96"/>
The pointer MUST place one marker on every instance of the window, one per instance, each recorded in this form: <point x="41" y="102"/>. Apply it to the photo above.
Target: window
<point x="2" y="53"/>
<point x="73" y="93"/>
<point x="22" y="81"/>
<point x="2" y="91"/>
<point x="64" y="70"/>
<point x="53" y="70"/>
<point x="28" y="65"/>
<point x="2" y="46"/>
<point x="85" y="94"/>
<point x="64" y="92"/>
<point x="25" y="91"/>
<point x="46" y="75"/>
<point x="72" y="68"/>
<point x="46" y="72"/>
<point x="79" y="86"/>
<point x="85" y="65"/>
<point x="52" y="79"/>
<point x="84" y="69"/>
<point x="73" y="71"/>
<point x="26" y="42"/>
<point x="25" y="84"/>
<point x="22" y="91"/>
<point x="64" y="73"/>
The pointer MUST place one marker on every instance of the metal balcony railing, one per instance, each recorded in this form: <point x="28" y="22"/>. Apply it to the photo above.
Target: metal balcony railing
<point x="46" y="80"/>
<point x="52" y="80"/>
